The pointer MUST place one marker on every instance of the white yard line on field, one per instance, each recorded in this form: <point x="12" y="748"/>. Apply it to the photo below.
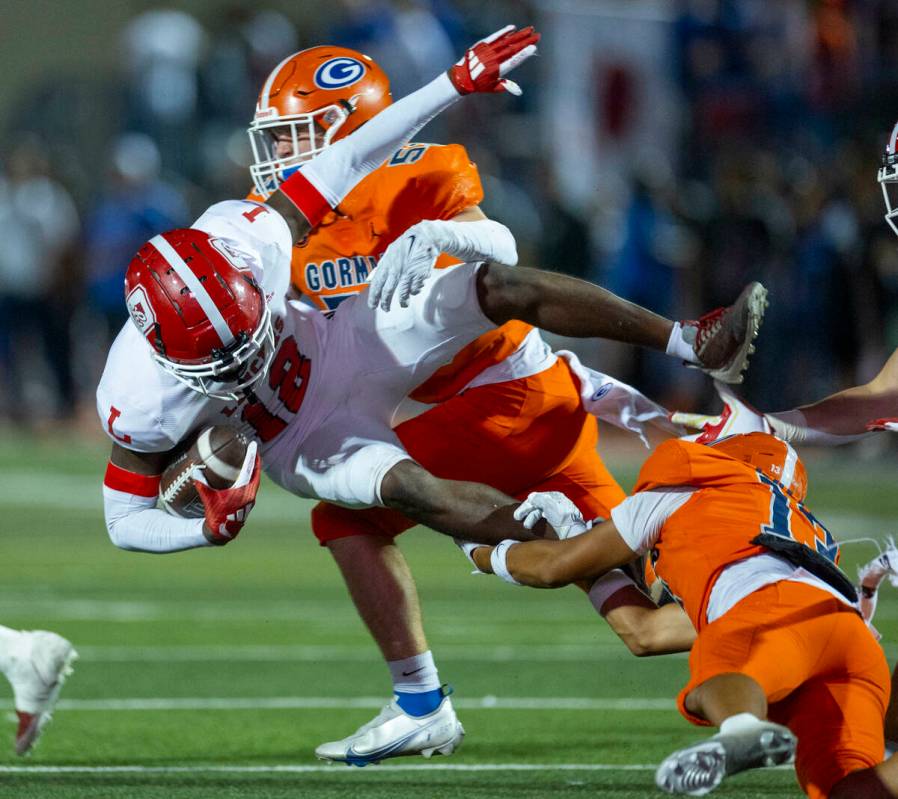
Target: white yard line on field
<point x="626" y="704"/>
<point x="312" y="653"/>
<point x="332" y="768"/>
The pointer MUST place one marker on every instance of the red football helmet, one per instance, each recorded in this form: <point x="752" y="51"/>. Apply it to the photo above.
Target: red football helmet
<point x="195" y="299"/>
<point x="888" y="178"/>
<point x="770" y="455"/>
<point x="317" y="96"/>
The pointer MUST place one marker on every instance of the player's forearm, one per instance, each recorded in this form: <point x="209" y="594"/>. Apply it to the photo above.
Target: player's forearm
<point x="845" y="413"/>
<point x="471" y="511"/>
<point x="134" y="524"/>
<point x="322" y="183"/>
<point x="540" y="563"/>
<point x="567" y="306"/>
<point x="842" y="417"/>
<point x="645" y="628"/>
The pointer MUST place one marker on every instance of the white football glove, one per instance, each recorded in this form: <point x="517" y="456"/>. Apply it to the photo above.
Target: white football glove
<point x="556" y="509"/>
<point x="737" y="417"/>
<point x="404" y="267"/>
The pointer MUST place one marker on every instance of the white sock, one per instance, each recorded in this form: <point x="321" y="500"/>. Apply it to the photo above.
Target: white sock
<point x="679" y="347"/>
<point x="739" y="722"/>
<point x="414" y="675"/>
<point x="9" y="642"/>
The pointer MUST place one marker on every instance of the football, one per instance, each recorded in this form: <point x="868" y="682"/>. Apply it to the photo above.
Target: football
<point x="219" y="451"/>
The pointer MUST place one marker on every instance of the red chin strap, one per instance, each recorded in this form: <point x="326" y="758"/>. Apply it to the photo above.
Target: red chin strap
<point x="141" y="485"/>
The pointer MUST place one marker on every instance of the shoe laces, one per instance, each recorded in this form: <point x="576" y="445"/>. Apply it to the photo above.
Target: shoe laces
<point x="707" y="326"/>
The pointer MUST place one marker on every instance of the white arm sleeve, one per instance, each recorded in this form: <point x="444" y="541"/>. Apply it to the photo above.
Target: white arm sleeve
<point x="134" y="523"/>
<point x="337" y="170"/>
<point x="639" y="518"/>
<point x="480" y="240"/>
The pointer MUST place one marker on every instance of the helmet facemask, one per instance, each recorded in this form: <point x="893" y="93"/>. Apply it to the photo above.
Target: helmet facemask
<point x="309" y="134"/>
<point x="227" y="376"/>
<point x="888" y="179"/>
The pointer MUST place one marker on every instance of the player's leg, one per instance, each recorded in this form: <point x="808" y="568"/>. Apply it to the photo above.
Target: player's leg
<point x="737" y="705"/>
<point x="737" y="665"/>
<point x="720" y="341"/>
<point x="840" y="746"/>
<point x="822" y="674"/>
<point x="727" y="695"/>
<point x="837" y="715"/>
<point x="508" y="435"/>
<point x="36" y="664"/>
<point x="420" y="719"/>
<point x="879" y="782"/>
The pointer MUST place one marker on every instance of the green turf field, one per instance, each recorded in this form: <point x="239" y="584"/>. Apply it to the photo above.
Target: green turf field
<point x="214" y="673"/>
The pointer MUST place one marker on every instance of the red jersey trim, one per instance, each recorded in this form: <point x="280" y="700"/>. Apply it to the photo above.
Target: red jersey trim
<point x="142" y="485"/>
<point x="299" y="190"/>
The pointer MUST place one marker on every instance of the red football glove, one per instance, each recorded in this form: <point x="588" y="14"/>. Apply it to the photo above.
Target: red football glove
<point x="483" y="67"/>
<point x="227" y="509"/>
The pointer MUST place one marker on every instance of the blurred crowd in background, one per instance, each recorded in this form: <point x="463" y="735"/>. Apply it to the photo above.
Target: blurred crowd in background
<point x="736" y="140"/>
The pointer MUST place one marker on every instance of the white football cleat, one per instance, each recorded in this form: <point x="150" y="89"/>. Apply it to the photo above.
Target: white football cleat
<point x="699" y="769"/>
<point x="394" y="733"/>
<point x="737" y="417"/>
<point x="37" y="670"/>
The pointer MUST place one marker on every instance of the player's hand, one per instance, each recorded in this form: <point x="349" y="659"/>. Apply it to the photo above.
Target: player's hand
<point x="890" y="423"/>
<point x="404" y="267"/>
<point x="737" y="417"/>
<point x="228" y="509"/>
<point x="486" y="63"/>
<point x="553" y="506"/>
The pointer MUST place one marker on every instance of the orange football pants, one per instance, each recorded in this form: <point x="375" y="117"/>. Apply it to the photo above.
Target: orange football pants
<point x="824" y="675"/>
<point x="523" y="435"/>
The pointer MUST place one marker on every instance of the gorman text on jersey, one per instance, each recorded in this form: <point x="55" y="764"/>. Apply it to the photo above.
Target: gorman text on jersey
<point x="339" y="273"/>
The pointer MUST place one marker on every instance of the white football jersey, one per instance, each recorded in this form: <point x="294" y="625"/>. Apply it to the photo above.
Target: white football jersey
<point x="323" y="415"/>
<point x="147" y="410"/>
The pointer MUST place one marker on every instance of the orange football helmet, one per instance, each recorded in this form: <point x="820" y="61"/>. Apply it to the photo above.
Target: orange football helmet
<point x="770" y="455"/>
<point x="316" y="96"/>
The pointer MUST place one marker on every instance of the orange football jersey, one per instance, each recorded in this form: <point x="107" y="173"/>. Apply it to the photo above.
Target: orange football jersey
<point x="734" y="504"/>
<point x="420" y="181"/>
